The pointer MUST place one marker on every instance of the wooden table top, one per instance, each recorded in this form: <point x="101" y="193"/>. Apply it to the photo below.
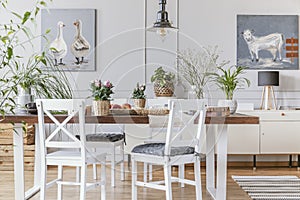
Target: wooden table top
<point x="131" y="119"/>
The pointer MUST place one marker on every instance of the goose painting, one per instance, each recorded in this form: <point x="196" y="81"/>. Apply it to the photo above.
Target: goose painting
<point x="80" y="46"/>
<point x="72" y="47"/>
<point x="59" y="47"/>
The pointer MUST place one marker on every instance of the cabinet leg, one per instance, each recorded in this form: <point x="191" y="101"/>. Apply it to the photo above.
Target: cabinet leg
<point x="254" y="162"/>
<point x="290" y="161"/>
<point x="298" y="162"/>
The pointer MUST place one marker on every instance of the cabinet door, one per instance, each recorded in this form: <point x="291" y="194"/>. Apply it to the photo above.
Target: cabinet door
<point x="243" y="139"/>
<point x="280" y="137"/>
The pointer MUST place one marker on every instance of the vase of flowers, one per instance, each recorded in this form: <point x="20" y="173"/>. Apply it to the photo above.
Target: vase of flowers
<point x="138" y="96"/>
<point x="101" y="93"/>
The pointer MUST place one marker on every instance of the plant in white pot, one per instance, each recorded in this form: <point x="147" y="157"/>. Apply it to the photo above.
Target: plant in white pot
<point x="229" y="80"/>
<point x="21" y="70"/>
<point x="197" y="67"/>
<point x="163" y="82"/>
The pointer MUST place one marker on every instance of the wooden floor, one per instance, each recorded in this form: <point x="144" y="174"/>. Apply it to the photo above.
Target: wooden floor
<point x="123" y="188"/>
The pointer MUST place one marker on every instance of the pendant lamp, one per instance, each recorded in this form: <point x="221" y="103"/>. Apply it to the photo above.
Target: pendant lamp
<point x="162" y="23"/>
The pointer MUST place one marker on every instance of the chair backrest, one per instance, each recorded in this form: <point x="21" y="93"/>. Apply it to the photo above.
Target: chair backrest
<point x="189" y="113"/>
<point x="74" y="111"/>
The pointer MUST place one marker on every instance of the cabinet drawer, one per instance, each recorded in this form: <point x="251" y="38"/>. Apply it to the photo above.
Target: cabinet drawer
<point x="276" y="115"/>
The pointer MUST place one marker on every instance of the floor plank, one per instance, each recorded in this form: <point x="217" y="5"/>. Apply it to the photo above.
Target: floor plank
<point x="123" y="188"/>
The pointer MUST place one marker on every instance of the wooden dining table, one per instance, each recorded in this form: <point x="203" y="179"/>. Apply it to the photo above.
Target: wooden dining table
<point x="216" y="136"/>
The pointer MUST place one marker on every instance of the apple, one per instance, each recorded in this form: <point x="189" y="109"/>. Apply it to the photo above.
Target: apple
<point x="116" y="106"/>
<point x="126" y="106"/>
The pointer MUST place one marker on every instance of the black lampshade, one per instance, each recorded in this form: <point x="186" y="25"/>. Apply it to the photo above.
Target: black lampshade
<point x="268" y="78"/>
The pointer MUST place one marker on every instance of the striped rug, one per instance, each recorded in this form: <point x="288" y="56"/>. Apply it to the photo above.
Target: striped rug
<point x="270" y="187"/>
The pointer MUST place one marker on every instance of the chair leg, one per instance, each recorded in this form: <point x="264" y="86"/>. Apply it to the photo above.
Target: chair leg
<point x="134" y="179"/>
<point x="43" y="181"/>
<point x="145" y="171"/>
<point x="168" y="183"/>
<point x="103" y="180"/>
<point x="83" y="182"/>
<point x="122" y="162"/>
<point x="59" y="186"/>
<point x="150" y="172"/>
<point x="94" y="171"/>
<point x="77" y="174"/>
<point x="197" y="172"/>
<point x="94" y="167"/>
<point x="113" y="167"/>
<point x="181" y="169"/>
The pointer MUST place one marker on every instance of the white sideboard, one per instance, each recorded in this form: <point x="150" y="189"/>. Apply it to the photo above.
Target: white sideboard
<point x="277" y="133"/>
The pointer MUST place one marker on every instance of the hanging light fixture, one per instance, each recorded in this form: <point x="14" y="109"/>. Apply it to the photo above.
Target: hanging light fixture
<point x="162" y="23"/>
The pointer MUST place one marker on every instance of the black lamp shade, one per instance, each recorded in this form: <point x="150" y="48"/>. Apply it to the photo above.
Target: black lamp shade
<point x="268" y="78"/>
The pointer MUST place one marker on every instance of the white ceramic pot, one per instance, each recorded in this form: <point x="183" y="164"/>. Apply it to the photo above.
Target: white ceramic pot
<point x="232" y="104"/>
<point x="24" y="97"/>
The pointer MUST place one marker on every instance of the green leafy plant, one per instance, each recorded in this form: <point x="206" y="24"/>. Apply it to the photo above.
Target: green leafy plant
<point x="20" y="70"/>
<point x="101" y="91"/>
<point x="162" y="77"/>
<point x="229" y="80"/>
<point x="197" y="67"/>
<point x="138" y="91"/>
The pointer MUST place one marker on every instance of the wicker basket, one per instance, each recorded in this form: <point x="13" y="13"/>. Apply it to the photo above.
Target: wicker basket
<point x="101" y="108"/>
<point x="164" y="91"/>
<point x="139" y="103"/>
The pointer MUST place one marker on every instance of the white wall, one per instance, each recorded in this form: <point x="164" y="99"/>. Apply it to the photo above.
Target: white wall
<point x="120" y="38"/>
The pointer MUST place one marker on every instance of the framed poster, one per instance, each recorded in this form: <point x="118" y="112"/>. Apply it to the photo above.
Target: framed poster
<point x="72" y="37"/>
<point x="268" y="41"/>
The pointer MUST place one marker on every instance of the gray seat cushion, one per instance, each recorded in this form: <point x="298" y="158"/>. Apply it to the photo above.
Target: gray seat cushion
<point x="158" y="149"/>
<point x="104" y="137"/>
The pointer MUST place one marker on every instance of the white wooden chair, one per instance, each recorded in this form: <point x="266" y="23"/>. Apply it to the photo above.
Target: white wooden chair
<point x="111" y="138"/>
<point x="173" y="152"/>
<point x="70" y="151"/>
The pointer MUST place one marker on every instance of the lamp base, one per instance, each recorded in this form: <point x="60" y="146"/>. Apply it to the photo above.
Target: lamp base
<point x="268" y="101"/>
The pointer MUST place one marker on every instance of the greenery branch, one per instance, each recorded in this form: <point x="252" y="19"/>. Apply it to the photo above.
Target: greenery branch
<point x="19" y="71"/>
<point x="197" y="67"/>
<point x="230" y="80"/>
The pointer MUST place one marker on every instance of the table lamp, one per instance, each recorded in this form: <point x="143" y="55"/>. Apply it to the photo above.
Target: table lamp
<point x="268" y="79"/>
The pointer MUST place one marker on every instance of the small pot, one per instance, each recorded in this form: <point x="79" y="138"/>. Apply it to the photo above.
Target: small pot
<point x="101" y="108"/>
<point x="231" y="103"/>
<point x="139" y="103"/>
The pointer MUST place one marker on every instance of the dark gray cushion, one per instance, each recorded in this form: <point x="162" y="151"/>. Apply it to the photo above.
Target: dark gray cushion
<point x="104" y="137"/>
<point x="158" y="149"/>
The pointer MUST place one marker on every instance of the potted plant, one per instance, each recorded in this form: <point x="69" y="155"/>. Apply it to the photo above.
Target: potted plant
<point x="163" y="82"/>
<point x="22" y="73"/>
<point x="197" y="67"/>
<point x="101" y="93"/>
<point x="138" y="96"/>
<point x="229" y="80"/>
